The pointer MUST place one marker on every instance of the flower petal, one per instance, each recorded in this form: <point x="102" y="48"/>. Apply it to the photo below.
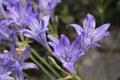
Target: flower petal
<point x="18" y="7"/>
<point x="78" y="28"/>
<point x="100" y="32"/>
<point x="95" y="44"/>
<point x="54" y="45"/>
<point x="52" y="38"/>
<point x="13" y="51"/>
<point x="27" y="33"/>
<point x="44" y="22"/>
<point x="69" y="66"/>
<point x="64" y="41"/>
<point x="6" y="77"/>
<point x="64" y="46"/>
<point x="75" y="44"/>
<point x="18" y="71"/>
<point x="24" y="55"/>
<point x="7" y="2"/>
<point x="29" y="65"/>
<point x="42" y="39"/>
<point x="34" y="25"/>
<point x="76" y="56"/>
<point x="89" y="23"/>
<point x="28" y="6"/>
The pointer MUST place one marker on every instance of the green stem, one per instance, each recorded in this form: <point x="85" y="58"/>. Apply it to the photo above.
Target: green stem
<point x="71" y="77"/>
<point x="27" y="76"/>
<point x="21" y="37"/>
<point x="44" y="62"/>
<point x="76" y="77"/>
<point x="56" y="65"/>
<point x="42" y="68"/>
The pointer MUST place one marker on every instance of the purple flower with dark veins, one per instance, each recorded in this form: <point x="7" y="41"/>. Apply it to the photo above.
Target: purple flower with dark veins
<point x="10" y="61"/>
<point x="20" y="14"/>
<point x="67" y="53"/>
<point x="90" y="35"/>
<point x="47" y="5"/>
<point x="38" y="30"/>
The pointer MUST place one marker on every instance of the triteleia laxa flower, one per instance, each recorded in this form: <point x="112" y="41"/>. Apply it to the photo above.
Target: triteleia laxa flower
<point x="14" y="63"/>
<point x="90" y="35"/>
<point x="38" y="30"/>
<point x="7" y="34"/>
<point x="47" y="5"/>
<point x="20" y="14"/>
<point x="67" y="53"/>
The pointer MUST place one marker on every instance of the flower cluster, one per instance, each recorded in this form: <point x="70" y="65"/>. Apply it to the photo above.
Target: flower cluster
<point x="11" y="62"/>
<point x="87" y="37"/>
<point x="20" y="19"/>
<point x="21" y="22"/>
<point x="38" y="30"/>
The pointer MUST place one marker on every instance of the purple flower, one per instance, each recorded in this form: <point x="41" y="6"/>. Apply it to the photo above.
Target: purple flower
<point x="67" y="53"/>
<point x="90" y="35"/>
<point x="11" y="61"/>
<point x="48" y="5"/>
<point x="7" y="34"/>
<point x="20" y="14"/>
<point x="38" y="30"/>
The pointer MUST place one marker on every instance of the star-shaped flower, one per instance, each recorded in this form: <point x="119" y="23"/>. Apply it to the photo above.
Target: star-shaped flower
<point x="11" y="61"/>
<point x="20" y="14"/>
<point x="67" y="53"/>
<point x="38" y="30"/>
<point x="90" y="35"/>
